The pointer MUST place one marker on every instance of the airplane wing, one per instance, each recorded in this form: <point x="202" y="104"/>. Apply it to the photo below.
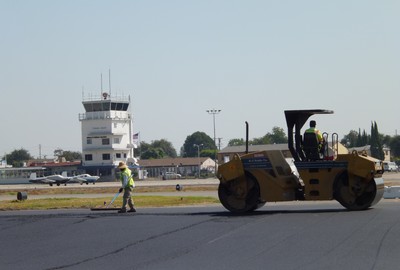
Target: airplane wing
<point x="41" y="180"/>
<point x="50" y="180"/>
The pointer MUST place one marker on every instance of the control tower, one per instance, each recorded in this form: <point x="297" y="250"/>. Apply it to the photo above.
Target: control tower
<point x="106" y="134"/>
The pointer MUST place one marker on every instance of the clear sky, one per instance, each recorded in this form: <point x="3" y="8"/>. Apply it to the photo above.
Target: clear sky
<point x="178" y="58"/>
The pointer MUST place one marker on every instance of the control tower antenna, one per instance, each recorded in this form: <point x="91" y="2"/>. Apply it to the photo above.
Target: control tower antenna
<point x="109" y="80"/>
<point x="101" y="83"/>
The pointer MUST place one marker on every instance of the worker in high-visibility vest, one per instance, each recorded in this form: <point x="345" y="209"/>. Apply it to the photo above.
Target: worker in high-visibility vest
<point x="314" y="130"/>
<point x="127" y="186"/>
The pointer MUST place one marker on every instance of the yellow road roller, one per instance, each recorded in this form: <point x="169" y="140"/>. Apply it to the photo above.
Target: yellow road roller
<point x="309" y="172"/>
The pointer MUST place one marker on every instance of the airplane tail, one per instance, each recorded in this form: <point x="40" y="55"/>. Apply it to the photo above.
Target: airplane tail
<point x="64" y="174"/>
<point x="32" y="176"/>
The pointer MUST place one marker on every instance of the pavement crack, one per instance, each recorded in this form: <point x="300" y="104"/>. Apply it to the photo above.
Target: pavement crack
<point x="116" y="251"/>
<point x="384" y="237"/>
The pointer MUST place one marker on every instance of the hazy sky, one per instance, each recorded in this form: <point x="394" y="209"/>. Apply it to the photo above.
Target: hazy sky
<point x="177" y="59"/>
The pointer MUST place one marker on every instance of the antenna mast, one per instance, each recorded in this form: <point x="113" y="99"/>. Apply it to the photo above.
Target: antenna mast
<point x="101" y="83"/>
<point x="109" y="80"/>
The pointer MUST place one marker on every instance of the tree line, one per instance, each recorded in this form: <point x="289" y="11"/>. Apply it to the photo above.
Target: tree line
<point x="200" y="144"/>
<point x="19" y="157"/>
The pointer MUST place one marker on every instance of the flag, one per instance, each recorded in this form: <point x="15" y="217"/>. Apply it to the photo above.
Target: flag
<point x="135" y="138"/>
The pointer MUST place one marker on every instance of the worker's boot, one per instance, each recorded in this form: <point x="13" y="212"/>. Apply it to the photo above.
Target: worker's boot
<point x="122" y="211"/>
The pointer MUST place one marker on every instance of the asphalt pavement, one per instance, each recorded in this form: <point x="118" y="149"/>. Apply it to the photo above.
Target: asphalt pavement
<point x="279" y="236"/>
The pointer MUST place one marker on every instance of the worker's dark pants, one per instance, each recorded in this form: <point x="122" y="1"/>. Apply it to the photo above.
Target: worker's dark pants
<point x="127" y="199"/>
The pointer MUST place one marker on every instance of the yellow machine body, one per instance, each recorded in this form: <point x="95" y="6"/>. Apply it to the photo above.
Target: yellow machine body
<point x="249" y="181"/>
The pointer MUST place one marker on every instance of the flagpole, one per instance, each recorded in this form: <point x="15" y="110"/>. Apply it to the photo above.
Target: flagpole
<point x="140" y="147"/>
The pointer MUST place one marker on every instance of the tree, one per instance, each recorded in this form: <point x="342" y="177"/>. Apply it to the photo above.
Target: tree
<point x="376" y="143"/>
<point x="166" y="146"/>
<point x="208" y="153"/>
<point x="261" y="140"/>
<point x="364" y="138"/>
<point x="143" y="147"/>
<point x="278" y="135"/>
<point x="386" y="139"/>
<point x="236" y="142"/>
<point x="197" y="138"/>
<point x="156" y="149"/>
<point x="17" y="158"/>
<point x="153" y="153"/>
<point x="350" y="140"/>
<point x="68" y="155"/>
<point x="395" y="146"/>
<point x="71" y="156"/>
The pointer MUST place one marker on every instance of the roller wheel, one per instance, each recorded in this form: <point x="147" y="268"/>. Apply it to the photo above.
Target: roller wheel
<point x="240" y="195"/>
<point x="362" y="195"/>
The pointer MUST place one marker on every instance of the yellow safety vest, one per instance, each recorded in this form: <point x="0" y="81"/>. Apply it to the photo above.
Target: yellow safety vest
<point x="128" y="174"/>
<point x="317" y="132"/>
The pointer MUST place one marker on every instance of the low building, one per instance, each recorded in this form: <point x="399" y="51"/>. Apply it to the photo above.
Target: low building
<point x="54" y="167"/>
<point x="156" y="168"/>
<point x="367" y="149"/>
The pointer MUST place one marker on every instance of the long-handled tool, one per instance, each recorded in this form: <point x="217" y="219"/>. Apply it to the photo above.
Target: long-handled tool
<point x="116" y="195"/>
<point x="107" y="207"/>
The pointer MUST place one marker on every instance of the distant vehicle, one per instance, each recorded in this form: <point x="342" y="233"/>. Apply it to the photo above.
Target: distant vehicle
<point x="390" y="166"/>
<point x="84" y="179"/>
<point x="171" y="175"/>
<point x="51" y="179"/>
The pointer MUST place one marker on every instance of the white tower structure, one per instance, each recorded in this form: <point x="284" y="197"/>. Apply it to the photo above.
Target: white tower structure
<point x="106" y="133"/>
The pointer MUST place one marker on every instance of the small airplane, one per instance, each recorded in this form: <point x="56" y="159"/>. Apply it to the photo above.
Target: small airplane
<point x="51" y="179"/>
<point x="85" y="178"/>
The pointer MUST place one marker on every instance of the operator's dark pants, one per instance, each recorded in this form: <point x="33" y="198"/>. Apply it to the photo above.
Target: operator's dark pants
<point x="127" y="199"/>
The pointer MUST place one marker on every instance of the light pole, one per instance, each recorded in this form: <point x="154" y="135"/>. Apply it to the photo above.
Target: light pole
<point x="214" y="112"/>
<point x="198" y="155"/>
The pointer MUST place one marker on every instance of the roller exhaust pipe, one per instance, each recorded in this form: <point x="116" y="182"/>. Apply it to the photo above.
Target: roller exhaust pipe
<point x="247" y="137"/>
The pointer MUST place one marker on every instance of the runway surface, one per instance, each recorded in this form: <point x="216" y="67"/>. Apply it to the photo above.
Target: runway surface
<point x="391" y="179"/>
<point x="289" y="236"/>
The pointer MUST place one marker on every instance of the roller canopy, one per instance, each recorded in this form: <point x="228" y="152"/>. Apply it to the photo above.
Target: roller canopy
<point x="295" y="119"/>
